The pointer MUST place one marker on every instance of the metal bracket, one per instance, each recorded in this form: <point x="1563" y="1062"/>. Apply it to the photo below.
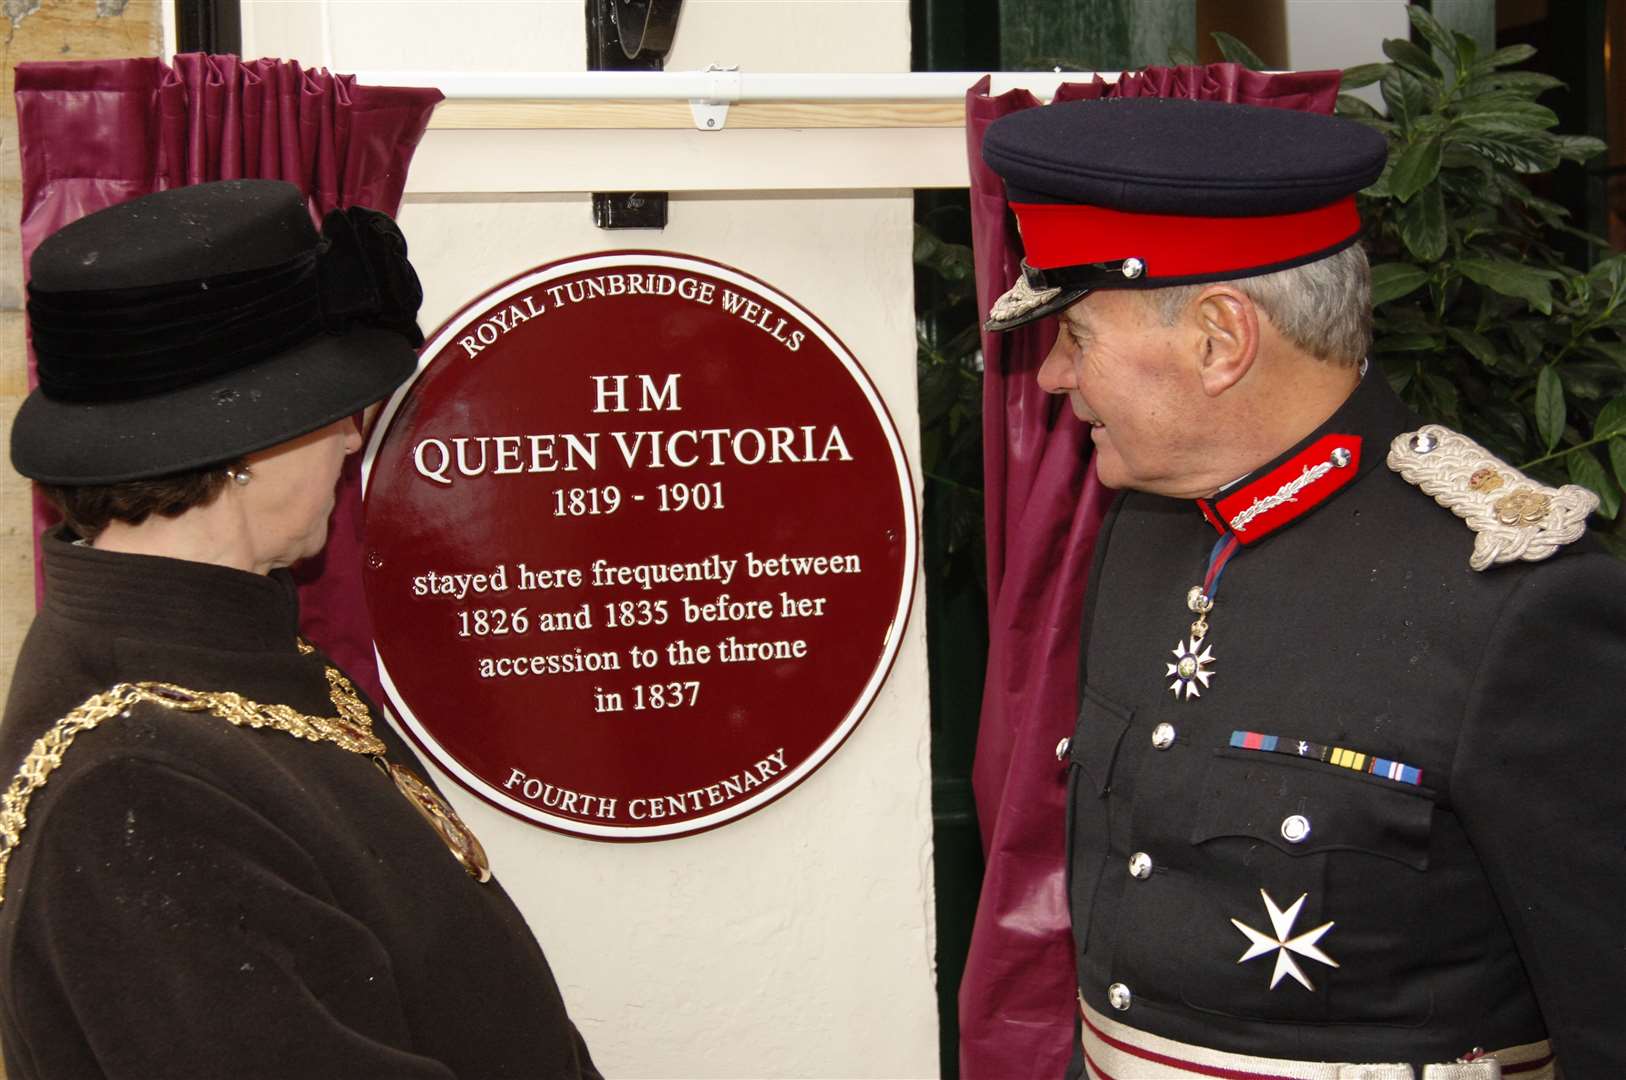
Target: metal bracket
<point x="630" y="35"/>
<point x="722" y="90"/>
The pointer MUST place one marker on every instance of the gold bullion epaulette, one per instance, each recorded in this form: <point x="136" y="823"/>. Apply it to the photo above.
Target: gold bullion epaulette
<point x="1512" y="516"/>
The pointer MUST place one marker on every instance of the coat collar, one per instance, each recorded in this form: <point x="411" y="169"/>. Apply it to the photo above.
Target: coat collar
<point x="169" y="601"/>
<point x="1314" y="470"/>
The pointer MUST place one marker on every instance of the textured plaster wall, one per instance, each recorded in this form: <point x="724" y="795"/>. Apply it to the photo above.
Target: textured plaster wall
<point x="796" y="942"/>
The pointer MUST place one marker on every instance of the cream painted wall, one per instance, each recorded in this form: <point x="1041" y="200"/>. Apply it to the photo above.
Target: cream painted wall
<point x="798" y="941"/>
<point x="1342" y="33"/>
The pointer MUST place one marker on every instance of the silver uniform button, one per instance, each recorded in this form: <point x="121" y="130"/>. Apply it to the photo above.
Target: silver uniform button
<point x="1296" y="829"/>
<point x="1163" y="736"/>
<point x="1140" y="866"/>
<point x="1062" y="748"/>
<point x="1119" y="997"/>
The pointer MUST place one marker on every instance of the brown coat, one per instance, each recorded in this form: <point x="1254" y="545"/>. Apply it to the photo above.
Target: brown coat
<point x="193" y="899"/>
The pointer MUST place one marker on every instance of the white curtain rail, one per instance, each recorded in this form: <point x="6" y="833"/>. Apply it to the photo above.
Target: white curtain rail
<point x="723" y="86"/>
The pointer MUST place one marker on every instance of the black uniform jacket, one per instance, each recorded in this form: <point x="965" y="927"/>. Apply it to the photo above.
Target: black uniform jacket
<point x="1484" y="906"/>
<point x="193" y="899"/>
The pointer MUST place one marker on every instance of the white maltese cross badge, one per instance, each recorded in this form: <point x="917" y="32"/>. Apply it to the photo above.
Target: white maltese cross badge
<point x="1285" y="943"/>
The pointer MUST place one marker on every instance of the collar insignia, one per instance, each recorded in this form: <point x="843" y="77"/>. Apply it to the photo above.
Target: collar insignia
<point x="1287" y="492"/>
<point x="1512" y="516"/>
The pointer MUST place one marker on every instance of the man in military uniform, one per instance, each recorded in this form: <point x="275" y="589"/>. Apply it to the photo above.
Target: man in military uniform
<point x="1344" y="787"/>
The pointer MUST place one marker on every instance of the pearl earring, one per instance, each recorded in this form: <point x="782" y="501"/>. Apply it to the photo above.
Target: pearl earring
<point x="239" y="476"/>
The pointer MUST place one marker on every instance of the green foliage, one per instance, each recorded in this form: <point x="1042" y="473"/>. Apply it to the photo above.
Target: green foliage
<point x="949" y="373"/>
<point x="1236" y="52"/>
<point x="1479" y="322"/>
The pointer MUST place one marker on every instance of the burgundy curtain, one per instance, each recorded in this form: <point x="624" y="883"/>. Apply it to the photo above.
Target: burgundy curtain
<point x="1044" y="506"/>
<point x="95" y="133"/>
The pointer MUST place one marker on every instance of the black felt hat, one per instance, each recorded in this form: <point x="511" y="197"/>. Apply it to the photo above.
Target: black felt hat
<point x="1145" y="193"/>
<point x="191" y="327"/>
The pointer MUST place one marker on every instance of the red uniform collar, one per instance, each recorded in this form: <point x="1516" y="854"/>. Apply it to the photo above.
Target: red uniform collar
<point x="1258" y="507"/>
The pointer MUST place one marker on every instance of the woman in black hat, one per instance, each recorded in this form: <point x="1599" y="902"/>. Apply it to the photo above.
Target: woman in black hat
<point x="215" y="860"/>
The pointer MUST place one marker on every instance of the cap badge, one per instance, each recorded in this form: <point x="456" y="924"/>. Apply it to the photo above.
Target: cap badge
<point x="1020" y="299"/>
<point x="1132" y="267"/>
<point x="1513" y="517"/>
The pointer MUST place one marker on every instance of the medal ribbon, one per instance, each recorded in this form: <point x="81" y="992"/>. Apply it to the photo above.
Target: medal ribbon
<point x="1227" y="545"/>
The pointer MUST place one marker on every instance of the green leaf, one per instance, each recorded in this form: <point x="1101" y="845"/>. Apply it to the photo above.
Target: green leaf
<point x="1398" y="371"/>
<point x="1510" y="279"/>
<point x="1478" y="346"/>
<point x="1417" y="167"/>
<point x="1612" y="543"/>
<point x="1611" y="271"/>
<point x="1379" y="188"/>
<point x="1236" y="52"/>
<point x="1422" y="224"/>
<point x="1611" y="420"/>
<point x="1465" y="49"/>
<point x="1585" y="470"/>
<point x="1509" y="418"/>
<point x="1522" y="150"/>
<point x="1587" y="380"/>
<point x="1424" y="22"/>
<point x="1579" y="147"/>
<point x="1513" y="54"/>
<point x="1531" y="83"/>
<point x="1435" y="34"/>
<point x="1549" y="407"/>
<point x="1612" y="351"/>
<point x="1351" y="106"/>
<point x="1403" y="319"/>
<point x="1180" y="56"/>
<point x="1443" y="390"/>
<point x="1493" y="111"/>
<point x="1362" y="75"/>
<point x="1406" y="343"/>
<point x="1391" y="281"/>
<point x="1412" y="58"/>
<point x="1530" y="346"/>
<point x="1617" y="459"/>
<point x="1549" y="211"/>
<point x="1404" y="95"/>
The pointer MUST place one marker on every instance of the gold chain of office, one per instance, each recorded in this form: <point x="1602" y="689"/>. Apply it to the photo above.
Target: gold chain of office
<point x="351" y="730"/>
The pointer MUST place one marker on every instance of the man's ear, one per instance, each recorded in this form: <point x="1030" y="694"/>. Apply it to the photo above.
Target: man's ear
<point x="1228" y="323"/>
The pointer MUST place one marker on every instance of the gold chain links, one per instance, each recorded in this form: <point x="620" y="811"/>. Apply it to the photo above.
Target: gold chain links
<point x="351" y="730"/>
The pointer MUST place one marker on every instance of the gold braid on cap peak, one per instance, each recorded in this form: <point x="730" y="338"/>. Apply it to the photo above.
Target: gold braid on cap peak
<point x="1020" y="299"/>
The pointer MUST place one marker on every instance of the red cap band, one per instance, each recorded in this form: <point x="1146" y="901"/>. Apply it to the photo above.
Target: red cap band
<point x="1179" y="245"/>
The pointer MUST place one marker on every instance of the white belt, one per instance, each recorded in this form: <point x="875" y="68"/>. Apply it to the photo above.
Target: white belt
<point x="1115" y="1051"/>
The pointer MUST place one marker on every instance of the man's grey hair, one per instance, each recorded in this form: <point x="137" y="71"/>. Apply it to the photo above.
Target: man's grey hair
<point x="1323" y="307"/>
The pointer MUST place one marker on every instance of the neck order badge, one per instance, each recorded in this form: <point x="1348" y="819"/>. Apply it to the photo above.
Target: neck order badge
<point x="641" y="545"/>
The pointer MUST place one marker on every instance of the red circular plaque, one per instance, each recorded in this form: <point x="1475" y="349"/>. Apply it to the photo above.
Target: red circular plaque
<point x="641" y="545"/>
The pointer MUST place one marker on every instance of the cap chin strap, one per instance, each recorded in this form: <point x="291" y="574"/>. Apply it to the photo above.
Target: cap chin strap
<point x="1099" y="275"/>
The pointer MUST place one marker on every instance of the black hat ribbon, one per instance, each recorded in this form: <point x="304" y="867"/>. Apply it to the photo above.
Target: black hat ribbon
<point x="100" y="345"/>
